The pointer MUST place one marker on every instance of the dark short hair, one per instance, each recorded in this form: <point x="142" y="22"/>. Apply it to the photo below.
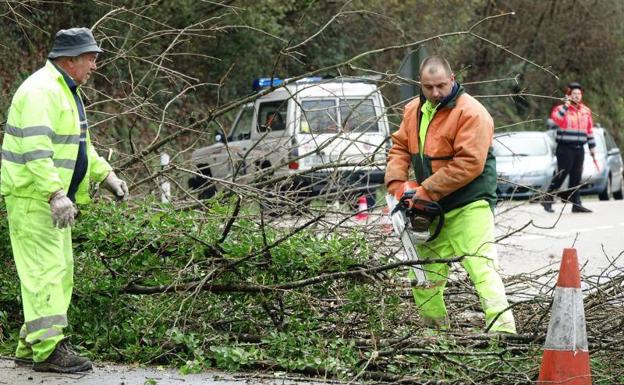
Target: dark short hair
<point x="574" y="86"/>
<point x="435" y="60"/>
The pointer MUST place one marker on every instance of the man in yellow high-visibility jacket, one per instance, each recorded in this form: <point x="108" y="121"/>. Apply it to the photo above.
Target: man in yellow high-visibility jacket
<point x="48" y="162"/>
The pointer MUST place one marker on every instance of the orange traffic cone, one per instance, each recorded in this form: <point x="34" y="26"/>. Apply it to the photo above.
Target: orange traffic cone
<point x="362" y="210"/>
<point x="566" y="354"/>
<point x="386" y="222"/>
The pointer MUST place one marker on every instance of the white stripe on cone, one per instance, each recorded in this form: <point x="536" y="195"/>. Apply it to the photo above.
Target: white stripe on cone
<point x="566" y="330"/>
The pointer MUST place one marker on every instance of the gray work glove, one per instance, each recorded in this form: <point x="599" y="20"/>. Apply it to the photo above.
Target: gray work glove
<point x="117" y="186"/>
<point x="63" y="210"/>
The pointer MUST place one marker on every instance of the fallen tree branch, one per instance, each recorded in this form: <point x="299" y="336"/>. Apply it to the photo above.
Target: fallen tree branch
<point x="254" y="288"/>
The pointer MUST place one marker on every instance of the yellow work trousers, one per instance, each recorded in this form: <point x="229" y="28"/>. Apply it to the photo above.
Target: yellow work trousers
<point x="45" y="266"/>
<point x="468" y="231"/>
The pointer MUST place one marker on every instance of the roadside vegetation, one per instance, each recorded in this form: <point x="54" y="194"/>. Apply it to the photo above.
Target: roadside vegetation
<point x="226" y="288"/>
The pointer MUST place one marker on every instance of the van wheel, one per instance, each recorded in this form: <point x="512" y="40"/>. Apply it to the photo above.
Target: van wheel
<point x="617" y="195"/>
<point x="604" y="195"/>
<point x="203" y="186"/>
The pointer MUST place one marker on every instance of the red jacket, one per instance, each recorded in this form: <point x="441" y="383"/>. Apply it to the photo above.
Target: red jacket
<point x="574" y="125"/>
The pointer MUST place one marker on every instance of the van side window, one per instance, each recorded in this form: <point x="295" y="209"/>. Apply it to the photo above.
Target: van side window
<point x="319" y="116"/>
<point x="242" y="128"/>
<point x="272" y="116"/>
<point x="358" y="115"/>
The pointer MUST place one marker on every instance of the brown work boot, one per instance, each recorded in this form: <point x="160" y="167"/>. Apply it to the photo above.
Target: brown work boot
<point x="63" y="360"/>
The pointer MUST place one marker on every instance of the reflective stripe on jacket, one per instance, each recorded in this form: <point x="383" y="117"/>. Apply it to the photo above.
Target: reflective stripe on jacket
<point x="457" y="166"/>
<point x="41" y="140"/>
<point x="574" y="125"/>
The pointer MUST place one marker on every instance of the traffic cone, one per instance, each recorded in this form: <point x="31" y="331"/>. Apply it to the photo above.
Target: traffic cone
<point x="566" y="354"/>
<point x="362" y="209"/>
<point x="386" y="222"/>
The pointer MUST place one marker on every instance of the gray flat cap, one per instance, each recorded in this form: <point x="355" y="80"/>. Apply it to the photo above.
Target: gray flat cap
<point x="73" y="42"/>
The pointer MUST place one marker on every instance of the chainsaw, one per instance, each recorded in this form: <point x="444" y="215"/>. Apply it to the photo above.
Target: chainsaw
<point x="411" y="219"/>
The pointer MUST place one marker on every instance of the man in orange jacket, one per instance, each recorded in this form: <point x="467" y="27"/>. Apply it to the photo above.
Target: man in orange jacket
<point x="446" y="137"/>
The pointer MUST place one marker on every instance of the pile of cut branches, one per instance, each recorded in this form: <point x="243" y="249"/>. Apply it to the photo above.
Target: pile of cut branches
<point x="319" y="294"/>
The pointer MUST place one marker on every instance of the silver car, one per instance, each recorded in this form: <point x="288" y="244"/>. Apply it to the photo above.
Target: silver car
<point x="525" y="163"/>
<point x="604" y="177"/>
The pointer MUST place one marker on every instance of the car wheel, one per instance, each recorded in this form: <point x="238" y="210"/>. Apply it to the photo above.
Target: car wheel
<point x="604" y="195"/>
<point x="617" y="195"/>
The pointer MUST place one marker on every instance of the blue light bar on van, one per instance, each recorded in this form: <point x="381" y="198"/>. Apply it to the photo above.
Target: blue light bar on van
<point x="266" y="82"/>
<point x="261" y="83"/>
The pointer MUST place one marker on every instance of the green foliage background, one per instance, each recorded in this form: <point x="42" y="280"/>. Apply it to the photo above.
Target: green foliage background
<point x="230" y="44"/>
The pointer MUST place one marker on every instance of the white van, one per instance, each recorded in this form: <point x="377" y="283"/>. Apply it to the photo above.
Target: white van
<point x="314" y="136"/>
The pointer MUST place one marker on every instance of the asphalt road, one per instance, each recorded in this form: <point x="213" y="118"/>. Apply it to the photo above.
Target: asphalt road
<point x="598" y="237"/>
<point x="109" y="374"/>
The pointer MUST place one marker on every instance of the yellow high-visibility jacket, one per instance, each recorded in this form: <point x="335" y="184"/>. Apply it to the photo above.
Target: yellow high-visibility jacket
<point x="41" y="141"/>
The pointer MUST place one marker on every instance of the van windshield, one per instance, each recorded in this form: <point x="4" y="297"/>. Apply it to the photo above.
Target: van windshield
<point x="358" y="115"/>
<point x="319" y="116"/>
<point x="242" y="127"/>
<point x="324" y="116"/>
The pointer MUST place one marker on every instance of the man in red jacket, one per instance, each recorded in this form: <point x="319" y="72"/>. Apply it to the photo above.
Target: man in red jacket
<point x="573" y="122"/>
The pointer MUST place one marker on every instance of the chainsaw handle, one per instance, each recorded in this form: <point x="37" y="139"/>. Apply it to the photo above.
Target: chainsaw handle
<point x="404" y="202"/>
<point x="439" y="226"/>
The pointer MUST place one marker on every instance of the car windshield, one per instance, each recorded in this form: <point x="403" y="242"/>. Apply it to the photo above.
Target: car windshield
<point x="520" y="145"/>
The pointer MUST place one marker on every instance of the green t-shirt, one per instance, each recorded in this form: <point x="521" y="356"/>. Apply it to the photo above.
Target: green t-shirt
<point x="428" y="111"/>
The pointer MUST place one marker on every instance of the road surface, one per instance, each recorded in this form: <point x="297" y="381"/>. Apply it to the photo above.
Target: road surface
<point x="598" y="237"/>
<point x="109" y="374"/>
